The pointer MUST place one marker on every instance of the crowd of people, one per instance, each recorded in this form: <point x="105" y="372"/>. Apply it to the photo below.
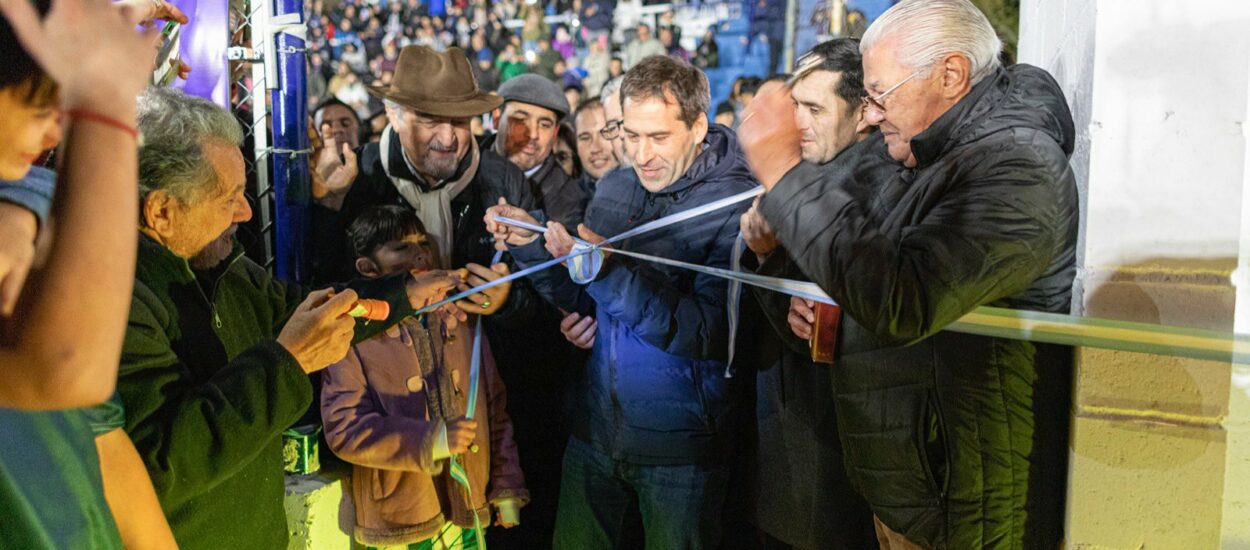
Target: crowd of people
<point x="354" y="45"/>
<point x="615" y="402"/>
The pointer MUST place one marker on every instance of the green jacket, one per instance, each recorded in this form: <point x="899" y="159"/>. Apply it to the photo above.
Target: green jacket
<point x="509" y="69"/>
<point x="208" y="392"/>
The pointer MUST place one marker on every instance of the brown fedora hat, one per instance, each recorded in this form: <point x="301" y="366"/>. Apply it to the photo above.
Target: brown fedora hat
<point x="434" y="83"/>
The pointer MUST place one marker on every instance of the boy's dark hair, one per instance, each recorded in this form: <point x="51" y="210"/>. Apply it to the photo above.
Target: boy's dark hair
<point x="658" y="75"/>
<point x="379" y="225"/>
<point x="19" y="71"/>
<point x="840" y="55"/>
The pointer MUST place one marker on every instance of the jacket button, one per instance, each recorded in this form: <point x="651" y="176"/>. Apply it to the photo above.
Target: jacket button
<point x="416" y="384"/>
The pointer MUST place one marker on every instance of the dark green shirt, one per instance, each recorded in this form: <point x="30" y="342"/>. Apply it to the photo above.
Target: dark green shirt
<point x="51" y="493"/>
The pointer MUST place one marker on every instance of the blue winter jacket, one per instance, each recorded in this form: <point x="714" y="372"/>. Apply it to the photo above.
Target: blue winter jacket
<point x="655" y="389"/>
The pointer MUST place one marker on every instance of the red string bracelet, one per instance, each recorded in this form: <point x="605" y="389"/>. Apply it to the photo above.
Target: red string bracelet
<point x="85" y="114"/>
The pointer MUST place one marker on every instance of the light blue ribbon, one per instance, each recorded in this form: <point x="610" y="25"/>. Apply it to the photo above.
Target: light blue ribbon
<point x="1032" y="326"/>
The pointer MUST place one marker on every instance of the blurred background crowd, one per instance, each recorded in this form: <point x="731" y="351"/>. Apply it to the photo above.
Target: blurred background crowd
<point x="579" y="44"/>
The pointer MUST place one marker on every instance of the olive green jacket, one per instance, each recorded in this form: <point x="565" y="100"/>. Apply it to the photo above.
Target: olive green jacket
<point x="208" y="392"/>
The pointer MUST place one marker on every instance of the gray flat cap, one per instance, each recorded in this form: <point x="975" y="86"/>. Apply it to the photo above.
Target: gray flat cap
<point x="535" y="90"/>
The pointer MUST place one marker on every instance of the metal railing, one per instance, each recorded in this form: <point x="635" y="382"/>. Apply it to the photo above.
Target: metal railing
<point x="269" y="97"/>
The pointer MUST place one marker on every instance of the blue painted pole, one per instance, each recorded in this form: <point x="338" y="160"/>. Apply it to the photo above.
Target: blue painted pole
<point x="292" y="194"/>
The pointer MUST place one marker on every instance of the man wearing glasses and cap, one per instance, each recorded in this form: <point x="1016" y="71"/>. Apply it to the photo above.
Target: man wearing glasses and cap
<point x="955" y="440"/>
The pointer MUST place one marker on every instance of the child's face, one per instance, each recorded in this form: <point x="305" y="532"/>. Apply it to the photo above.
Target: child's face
<point x="413" y="252"/>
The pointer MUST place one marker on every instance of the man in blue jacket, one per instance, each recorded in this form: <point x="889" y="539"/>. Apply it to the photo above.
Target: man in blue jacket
<point x="654" y="404"/>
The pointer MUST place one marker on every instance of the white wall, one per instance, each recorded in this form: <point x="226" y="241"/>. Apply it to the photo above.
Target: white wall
<point x="1158" y="88"/>
<point x="1169" y="99"/>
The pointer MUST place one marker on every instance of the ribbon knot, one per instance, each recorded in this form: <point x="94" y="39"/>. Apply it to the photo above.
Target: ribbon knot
<point x="585" y="262"/>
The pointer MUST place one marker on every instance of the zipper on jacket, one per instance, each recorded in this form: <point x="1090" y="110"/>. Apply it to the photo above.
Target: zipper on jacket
<point x="212" y="303"/>
<point x="935" y="398"/>
<point x="697" y="378"/>
<point x="615" y="400"/>
<point x="460" y="220"/>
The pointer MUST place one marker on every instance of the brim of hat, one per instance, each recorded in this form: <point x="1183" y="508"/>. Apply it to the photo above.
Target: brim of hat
<point x="476" y="105"/>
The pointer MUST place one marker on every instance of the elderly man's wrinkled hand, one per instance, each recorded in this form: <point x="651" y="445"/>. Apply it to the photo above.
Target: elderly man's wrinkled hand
<point x="488" y="301"/>
<point x="505" y="233"/>
<point x="769" y="136"/>
<point x="320" y="331"/>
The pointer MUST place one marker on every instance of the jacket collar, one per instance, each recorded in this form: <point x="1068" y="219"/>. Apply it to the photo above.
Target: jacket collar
<point x="156" y="263"/>
<point x="947" y="130"/>
<point x="544" y="169"/>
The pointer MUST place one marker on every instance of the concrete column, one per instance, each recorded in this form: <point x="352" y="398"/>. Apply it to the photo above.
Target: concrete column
<point x="1236" y="531"/>
<point x="1159" y="92"/>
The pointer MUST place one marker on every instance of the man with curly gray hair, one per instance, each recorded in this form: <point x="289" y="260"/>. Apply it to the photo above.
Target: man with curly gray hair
<point x="217" y="353"/>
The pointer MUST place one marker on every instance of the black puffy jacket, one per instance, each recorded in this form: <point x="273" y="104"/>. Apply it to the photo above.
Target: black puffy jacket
<point x="956" y="441"/>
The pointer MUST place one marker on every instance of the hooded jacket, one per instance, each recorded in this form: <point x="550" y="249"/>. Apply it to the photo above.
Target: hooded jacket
<point x="956" y="441"/>
<point x="655" y="390"/>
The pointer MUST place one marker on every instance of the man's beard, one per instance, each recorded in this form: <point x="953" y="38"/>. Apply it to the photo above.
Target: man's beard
<point x="214" y="252"/>
<point x="440" y="167"/>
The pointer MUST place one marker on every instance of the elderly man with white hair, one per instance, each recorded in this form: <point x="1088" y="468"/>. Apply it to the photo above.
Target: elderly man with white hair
<point x="966" y="200"/>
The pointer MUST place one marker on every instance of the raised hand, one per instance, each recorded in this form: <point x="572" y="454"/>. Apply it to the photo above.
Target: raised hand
<point x="756" y="231"/>
<point x="91" y="49"/>
<point x="334" y="171"/>
<point x="769" y="136"/>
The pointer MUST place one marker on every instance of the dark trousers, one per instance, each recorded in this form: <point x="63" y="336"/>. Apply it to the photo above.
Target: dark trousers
<point x="680" y="505"/>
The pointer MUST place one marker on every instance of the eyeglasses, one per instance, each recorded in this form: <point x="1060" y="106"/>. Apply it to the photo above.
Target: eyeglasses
<point x="612" y="129"/>
<point x="878" y="102"/>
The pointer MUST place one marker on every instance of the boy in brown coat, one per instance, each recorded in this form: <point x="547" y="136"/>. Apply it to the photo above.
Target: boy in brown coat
<point x="395" y="408"/>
